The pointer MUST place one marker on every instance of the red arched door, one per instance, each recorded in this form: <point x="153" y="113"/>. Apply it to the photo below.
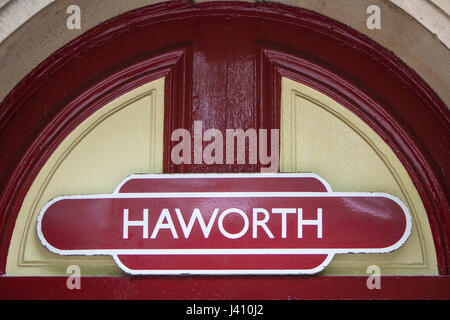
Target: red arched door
<point x="223" y="65"/>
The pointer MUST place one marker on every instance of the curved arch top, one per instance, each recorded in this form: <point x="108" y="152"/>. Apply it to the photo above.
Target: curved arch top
<point x="161" y="40"/>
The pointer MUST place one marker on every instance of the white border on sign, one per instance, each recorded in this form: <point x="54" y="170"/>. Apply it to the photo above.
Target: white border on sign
<point x="328" y="251"/>
<point x="222" y="175"/>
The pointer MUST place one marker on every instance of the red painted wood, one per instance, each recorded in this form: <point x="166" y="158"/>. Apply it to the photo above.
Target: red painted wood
<point x="95" y="93"/>
<point x="219" y="288"/>
<point x="72" y="83"/>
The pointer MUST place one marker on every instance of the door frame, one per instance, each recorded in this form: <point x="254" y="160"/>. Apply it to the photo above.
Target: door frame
<point x="60" y="93"/>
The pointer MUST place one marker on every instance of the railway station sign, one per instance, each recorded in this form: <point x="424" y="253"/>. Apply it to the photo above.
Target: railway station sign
<point x="223" y="224"/>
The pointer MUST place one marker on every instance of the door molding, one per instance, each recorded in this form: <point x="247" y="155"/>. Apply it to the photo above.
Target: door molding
<point x="73" y="82"/>
<point x="277" y="62"/>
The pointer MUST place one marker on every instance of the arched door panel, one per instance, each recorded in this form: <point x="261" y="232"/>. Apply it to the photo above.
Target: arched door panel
<point x="228" y="66"/>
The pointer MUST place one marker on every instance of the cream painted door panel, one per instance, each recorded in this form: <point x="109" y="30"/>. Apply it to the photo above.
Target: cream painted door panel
<point x="122" y="138"/>
<point x="321" y="136"/>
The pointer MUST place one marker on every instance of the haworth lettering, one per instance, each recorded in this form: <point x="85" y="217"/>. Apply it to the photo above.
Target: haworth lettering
<point x="206" y="229"/>
<point x="223" y="224"/>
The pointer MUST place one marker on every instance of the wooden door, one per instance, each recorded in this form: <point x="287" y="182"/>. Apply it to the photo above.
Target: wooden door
<point x="228" y="66"/>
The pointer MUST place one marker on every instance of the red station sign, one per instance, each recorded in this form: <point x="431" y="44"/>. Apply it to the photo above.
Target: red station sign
<point x="223" y="224"/>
